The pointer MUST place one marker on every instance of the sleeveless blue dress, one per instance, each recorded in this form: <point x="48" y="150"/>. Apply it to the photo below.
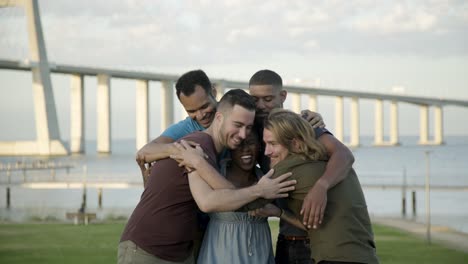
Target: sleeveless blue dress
<point x="237" y="238"/>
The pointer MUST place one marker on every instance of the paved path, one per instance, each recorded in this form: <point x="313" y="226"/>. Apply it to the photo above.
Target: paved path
<point x="439" y="234"/>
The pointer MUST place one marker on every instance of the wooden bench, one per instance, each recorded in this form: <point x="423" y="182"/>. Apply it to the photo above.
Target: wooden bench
<point x="81" y="217"/>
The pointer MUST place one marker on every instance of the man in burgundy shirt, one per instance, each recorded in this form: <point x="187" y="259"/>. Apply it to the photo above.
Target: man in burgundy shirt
<point x="164" y="223"/>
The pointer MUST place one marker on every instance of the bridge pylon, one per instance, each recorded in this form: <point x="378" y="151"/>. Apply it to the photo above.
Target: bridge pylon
<point x="48" y="140"/>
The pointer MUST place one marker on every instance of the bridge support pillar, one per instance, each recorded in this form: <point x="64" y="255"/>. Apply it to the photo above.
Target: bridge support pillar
<point x="48" y="140"/>
<point x="142" y="113"/>
<point x="103" y="114"/>
<point x="77" y="114"/>
<point x="379" y="124"/>
<point x="296" y="102"/>
<point x="438" y="138"/>
<point x="423" y="125"/>
<point x="44" y="103"/>
<point x="378" y="138"/>
<point x="339" y="118"/>
<point x="313" y="106"/>
<point x="438" y="125"/>
<point x="355" y="128"/>
<point x="167" y="104"/>
<point x="394" y="123"/>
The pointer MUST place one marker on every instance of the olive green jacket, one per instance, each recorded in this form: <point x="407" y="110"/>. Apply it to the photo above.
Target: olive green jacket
<point x="346" y="232"/>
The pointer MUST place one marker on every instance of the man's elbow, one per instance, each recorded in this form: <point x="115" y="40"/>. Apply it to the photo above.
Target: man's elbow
<point x="349" y="158"/>
<point x="206" y="206"/>
<point x="345" y="155"/>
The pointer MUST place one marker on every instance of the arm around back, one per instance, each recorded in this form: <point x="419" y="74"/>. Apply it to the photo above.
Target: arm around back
<point x="340" y="162"/>
<point x="159" y="148"/>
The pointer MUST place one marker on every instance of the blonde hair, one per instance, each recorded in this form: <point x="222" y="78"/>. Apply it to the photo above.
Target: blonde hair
<point x="288" y="126"/>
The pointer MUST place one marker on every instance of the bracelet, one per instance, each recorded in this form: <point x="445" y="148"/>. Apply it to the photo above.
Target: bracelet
<point x="281" y="212"/>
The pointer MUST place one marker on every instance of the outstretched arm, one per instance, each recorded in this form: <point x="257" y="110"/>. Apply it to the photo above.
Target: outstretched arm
<point x="340" y="162"/>
<point x="210" y="200"/>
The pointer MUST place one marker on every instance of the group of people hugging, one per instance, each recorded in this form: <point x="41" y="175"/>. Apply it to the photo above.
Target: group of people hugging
<point x="212" y="180"/>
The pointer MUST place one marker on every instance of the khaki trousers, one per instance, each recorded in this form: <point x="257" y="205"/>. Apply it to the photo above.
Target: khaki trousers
<point x="130" y="253"/>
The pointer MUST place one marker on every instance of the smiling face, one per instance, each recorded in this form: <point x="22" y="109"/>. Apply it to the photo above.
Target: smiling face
<point x="235" y="126"/>
<point x="267" y="97"/>
<point x="275" y="151"/>
<point x="245" y="156"/>
<point x="200" y="106"/>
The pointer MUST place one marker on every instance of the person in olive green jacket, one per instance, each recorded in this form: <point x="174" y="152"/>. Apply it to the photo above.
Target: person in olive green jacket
<point x="346" y="232"/>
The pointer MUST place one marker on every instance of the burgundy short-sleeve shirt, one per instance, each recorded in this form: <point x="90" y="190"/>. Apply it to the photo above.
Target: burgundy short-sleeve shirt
<point x="164" y="222"/>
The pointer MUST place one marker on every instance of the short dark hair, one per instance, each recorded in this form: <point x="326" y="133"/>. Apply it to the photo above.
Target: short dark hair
<point x="236" y="97"/>
<point x="187" y="82"/>
<point x="266" y="77"/>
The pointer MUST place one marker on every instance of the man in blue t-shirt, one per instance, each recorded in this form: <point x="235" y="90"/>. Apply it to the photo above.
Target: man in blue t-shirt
<point x="197" y="95"/>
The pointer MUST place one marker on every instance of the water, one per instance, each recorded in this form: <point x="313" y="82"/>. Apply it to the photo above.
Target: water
<point x="375" y="165"/>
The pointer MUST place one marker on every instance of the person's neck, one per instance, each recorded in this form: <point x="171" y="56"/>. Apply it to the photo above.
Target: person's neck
<point x="239" y="177"/>
<point x="216" y="139"/>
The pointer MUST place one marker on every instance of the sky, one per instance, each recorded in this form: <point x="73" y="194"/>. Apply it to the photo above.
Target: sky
<point x="416" y="48"/>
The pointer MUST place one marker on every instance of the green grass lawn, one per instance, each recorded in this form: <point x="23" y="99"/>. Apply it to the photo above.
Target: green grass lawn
<point x="97" y="243"/>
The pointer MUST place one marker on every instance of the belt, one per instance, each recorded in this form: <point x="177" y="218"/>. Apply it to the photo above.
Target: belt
<point x="294" y="238"/>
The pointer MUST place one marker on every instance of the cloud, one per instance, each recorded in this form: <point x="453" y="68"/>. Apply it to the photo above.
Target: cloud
<point x="400" y="19"/>
<point x="356" y="44"/>
<point x="162" y="33"/>
<point x="242" y="34"/>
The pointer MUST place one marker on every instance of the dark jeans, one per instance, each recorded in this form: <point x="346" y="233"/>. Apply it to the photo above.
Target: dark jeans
<point x="292" y="251"/>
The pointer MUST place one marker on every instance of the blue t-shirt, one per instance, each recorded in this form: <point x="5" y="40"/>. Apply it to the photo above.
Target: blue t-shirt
<point x="182" y="128"/>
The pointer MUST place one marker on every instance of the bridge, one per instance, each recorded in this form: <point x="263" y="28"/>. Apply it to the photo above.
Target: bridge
<point x="49" y="142"/>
